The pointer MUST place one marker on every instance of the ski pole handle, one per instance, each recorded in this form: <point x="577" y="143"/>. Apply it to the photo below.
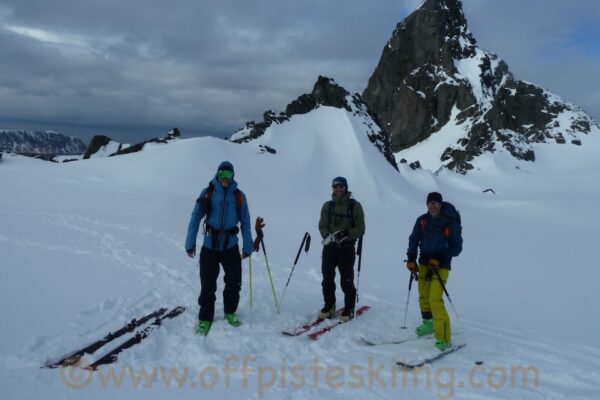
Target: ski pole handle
<point x="301" y="246"/>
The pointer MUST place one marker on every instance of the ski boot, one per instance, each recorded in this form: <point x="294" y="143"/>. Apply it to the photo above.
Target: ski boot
<point x="327" y="312"/>
<point x="426" y="328"/>
<point x="347" y="315"/>
<point x="441" y="345"/>
<point x="232" y="319"/>
<point x="203" y="327"/>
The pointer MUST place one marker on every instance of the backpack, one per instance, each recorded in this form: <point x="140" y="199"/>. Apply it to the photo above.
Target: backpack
<point x="349" y="214"/>
<point x="451" y="214"/>
<point x="206" y="204"/>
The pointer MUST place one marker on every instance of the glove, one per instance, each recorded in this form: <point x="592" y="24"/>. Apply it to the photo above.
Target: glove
<point x="434" y="263"/>
<point x="340" y="236"/>
<point x="328" y="239"/>
<point x="258" y="226"/>
<point x="245" y="255"/>
<point x="412" y="266"/>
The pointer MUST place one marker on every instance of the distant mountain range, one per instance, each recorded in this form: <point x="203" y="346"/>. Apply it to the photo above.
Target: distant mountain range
<point x="42" y="143"/>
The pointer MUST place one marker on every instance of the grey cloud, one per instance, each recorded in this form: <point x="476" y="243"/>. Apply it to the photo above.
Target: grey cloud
<point x="208" y="67"/>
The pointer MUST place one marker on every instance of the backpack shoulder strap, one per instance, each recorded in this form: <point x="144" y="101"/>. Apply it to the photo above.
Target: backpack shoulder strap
<point x="330" y="212"/>
<point x="239" y="202"/>
<point x="239" y="199"/>
<point x="351" y="204"/>
<point x="423" y="222"/>
<point x="204" y="201"/>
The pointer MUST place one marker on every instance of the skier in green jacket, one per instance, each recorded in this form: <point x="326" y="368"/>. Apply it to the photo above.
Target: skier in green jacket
<point x="341" y="224"/>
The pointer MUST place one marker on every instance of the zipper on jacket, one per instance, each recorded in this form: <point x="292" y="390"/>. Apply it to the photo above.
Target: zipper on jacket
<point x="223" y="210"/>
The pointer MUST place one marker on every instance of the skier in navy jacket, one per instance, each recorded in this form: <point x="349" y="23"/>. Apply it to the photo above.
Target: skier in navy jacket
<point x="224" y="205"/>
<point x="436" y="237"/>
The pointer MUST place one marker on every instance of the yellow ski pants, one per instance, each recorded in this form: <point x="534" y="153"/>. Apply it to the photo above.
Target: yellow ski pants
<point x="431" y="300"/>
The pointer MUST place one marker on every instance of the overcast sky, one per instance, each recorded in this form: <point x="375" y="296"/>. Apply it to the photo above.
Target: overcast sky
<point x="132" y="69"/>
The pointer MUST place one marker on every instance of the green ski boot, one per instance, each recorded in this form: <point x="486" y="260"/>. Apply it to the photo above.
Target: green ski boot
<point x="425" y="329"/>
<point x="441" y="345"/>
<point x="232" y="319"/>
<point x="203" y="327"/>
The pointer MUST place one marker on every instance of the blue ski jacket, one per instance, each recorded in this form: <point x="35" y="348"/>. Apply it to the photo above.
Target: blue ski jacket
<point x="439" y="238"/>
<point x="224" y="216"/>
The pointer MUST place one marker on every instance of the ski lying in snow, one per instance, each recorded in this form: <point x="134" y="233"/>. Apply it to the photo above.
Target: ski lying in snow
<point x="374" y="342"/>
<point x="317" y="334"/>
<point x="140" y="335"/>
<point x="90" y="349"/>
<point x="309" y="325"/>
<point x="419" y="362"/>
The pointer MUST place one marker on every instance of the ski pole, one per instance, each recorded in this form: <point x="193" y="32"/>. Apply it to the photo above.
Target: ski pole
<point x="306" y="244"/>
<point x="269" y="272"/>
<point x="359" y="252"/>
<point x="250" y="280"/>
<point x="410" y="281"/>
<point x="447" y="295"/>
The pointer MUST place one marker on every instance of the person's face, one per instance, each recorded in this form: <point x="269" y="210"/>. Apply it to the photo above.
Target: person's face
<point x="225" y="177"/>
<point x="338" y="190"/>
<point x="434" y="208"/>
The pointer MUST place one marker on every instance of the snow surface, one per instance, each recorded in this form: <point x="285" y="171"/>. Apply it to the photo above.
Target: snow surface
<point x="89" y="245"/>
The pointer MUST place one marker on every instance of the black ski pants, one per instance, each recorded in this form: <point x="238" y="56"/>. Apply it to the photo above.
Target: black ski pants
<point x="343" y="258"/>
<point x="209" y="272"/>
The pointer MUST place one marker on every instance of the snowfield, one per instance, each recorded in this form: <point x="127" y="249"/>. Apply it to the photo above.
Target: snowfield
<point x="89" y="245"/>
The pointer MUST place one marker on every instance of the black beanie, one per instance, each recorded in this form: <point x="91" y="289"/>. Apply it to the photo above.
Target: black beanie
<point x="434" y="196"/>
<point x="340" y="180"/>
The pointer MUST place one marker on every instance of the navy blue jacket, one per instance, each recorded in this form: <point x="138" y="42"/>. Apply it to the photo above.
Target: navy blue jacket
<point x="428" y="237"/>
<point x="223" y="215"/>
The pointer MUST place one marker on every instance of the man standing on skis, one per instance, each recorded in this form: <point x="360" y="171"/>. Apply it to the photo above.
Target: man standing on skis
<point x="341" y="224"/>
<point x="437" y="235"/>
<point x="224" y="205"/>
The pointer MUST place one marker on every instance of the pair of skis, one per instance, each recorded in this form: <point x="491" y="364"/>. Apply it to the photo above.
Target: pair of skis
<point x="157" y="317"/>
<point x="420" y="361"/>
<point x="316" y="334"/>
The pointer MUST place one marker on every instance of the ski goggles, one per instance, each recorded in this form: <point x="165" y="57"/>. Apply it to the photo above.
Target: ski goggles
<point x="338" y="186"/>
<point x="225" y="174"/>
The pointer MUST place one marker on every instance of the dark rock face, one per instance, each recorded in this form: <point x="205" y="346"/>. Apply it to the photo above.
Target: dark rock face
<point x="97" y="142"/>
<point x="39" y="143"/>
<point x="413" y="88"/>
<point x="325" y="93"/>
<point x="432" y="67"/>
<point x="100" y="141"/>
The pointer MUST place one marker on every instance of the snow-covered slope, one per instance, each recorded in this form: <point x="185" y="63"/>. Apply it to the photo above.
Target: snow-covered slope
<point x="88" y="246"/>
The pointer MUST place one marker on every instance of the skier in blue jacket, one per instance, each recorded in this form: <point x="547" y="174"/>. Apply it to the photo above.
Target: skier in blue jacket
<point x="223" y="205"/>
<point x="436" y="237"/>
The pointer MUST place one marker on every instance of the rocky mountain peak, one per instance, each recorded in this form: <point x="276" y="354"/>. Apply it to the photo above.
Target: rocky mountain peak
<point x="433" y="78"/>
